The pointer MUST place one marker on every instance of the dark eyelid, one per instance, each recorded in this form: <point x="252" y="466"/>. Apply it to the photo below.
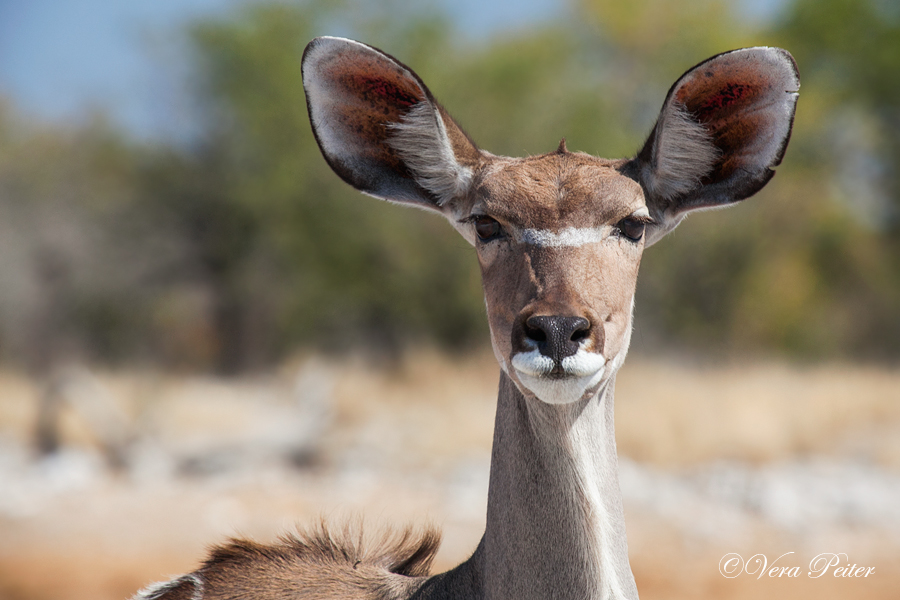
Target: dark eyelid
<point x="473" y="218"/>
<point x="645" y="219"/>
<point x="487" y="228"/>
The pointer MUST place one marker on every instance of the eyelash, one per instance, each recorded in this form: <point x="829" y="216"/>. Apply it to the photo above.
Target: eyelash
<point x="498" y="232"/>
<point x="642" y="222"/>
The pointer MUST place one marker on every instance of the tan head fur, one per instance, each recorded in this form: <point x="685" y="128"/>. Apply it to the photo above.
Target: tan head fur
<point x="559" y="236"/>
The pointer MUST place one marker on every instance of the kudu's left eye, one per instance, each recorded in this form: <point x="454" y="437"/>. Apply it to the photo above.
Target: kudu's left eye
<point x="487" y="228"/>
<point x="632" y="228"/>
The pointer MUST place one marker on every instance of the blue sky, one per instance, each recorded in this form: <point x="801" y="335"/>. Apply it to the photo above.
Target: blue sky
<point x="62" y="59"/>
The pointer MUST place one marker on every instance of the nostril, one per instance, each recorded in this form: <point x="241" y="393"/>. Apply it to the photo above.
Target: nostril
<point x="580" y="334"/>
<point x="556" y="336"/>
<point x="533" y="333"/>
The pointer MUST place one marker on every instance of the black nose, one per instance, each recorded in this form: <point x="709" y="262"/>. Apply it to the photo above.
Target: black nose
<point x="557" y="337"/>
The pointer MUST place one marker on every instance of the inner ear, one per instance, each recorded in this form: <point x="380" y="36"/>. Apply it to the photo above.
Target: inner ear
<point x="379" y="127"/>
<point x="354" y="94"/>
<point x="745" y="100"/>
<point x="723" y="127"/>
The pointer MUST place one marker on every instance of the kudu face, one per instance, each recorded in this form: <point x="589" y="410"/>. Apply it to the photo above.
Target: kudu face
<point x="559" y="237"/>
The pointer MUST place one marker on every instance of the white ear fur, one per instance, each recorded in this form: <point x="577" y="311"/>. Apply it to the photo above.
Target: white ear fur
<point x="683" y="153"/>
<point x="379" y="128"/>
<point x="421" y="140"/>
<point x="723" y="127"/>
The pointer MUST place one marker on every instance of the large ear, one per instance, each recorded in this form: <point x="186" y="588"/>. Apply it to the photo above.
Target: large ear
<point x="379" y="127"/>
<point x="724" y="125"/>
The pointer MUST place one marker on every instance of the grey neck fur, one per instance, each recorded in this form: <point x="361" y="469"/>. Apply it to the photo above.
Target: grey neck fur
<point x="555" y="523"/>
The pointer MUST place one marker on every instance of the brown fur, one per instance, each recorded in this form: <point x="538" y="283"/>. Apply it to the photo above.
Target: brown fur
<point x="323" y="562"/>
<point x="723" y="127"/>
<point x="555" y="191"/>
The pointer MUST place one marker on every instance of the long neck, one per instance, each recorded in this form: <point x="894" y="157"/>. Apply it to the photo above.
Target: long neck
<point x="555" y="524"/>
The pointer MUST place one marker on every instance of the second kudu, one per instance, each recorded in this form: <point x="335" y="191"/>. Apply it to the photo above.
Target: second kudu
<point x="559" y="238"/>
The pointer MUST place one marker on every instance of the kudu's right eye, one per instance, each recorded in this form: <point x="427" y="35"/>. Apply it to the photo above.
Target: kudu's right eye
<point x="632" y="228"/>
<point x="487" y="228"/>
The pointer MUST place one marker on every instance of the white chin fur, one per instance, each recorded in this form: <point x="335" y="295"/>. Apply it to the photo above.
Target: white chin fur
<point x="584" y="369"/>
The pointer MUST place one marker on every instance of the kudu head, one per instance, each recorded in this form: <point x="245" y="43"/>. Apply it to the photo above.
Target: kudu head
<point x="559" y="237"/>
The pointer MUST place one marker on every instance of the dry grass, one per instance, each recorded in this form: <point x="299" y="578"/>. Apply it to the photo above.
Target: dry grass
<point x="412" y="443"/>
<point x="670" y="414"/>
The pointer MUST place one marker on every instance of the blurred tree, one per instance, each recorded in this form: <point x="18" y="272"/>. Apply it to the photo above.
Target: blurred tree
<point x="849" y="52"/>
<point x="320" y="264"/>
<point x="231" y="253"/>
<point x="808" y="266"/>
<point x="76" y="257"/>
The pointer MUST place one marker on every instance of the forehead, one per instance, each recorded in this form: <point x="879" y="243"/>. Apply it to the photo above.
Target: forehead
<point x="557" y="190"/>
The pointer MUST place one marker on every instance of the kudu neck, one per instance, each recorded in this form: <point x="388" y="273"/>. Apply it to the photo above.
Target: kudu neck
<point x="555" y="524"/>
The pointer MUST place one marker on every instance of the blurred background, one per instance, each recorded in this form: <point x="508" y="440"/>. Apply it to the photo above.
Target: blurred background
<point x="204" y="333"/>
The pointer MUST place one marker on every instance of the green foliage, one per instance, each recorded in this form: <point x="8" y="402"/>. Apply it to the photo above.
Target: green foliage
<point x="246" y="246"/>
<point x="850" y="53"/>
<point x="76" y="262"/>
<point x="809" y="266"/>
<point x="323" y="265"/>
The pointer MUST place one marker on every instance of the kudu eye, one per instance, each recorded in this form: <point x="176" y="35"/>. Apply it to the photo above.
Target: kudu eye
<point x="632" y="228"/>
<point x="487" y="228"/>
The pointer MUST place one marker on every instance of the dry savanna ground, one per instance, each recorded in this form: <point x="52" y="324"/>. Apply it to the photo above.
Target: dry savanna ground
<point x="749" y="459"/>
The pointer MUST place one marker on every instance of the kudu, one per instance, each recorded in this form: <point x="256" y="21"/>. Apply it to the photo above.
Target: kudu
<point x="559" y="238"/>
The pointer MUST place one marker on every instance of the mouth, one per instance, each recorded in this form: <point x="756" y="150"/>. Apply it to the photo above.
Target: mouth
<point x="559" y="382"/>
<point x="557" y="373"/>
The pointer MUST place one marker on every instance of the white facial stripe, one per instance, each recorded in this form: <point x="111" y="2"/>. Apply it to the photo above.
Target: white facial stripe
<point x="570" y="236"/>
